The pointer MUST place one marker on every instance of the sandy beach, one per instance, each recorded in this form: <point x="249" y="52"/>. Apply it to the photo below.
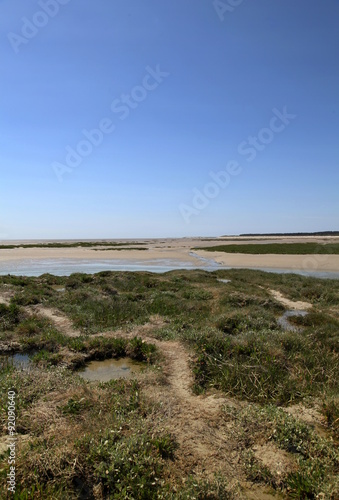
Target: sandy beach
<point x="180" y="250"/>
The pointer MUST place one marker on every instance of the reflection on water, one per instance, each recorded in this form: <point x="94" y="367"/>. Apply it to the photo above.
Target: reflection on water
<point x="284" y="322"/>
<point x="65" y="267"/>
<point x="110" y="369"/>
<point x="18" y="361"/>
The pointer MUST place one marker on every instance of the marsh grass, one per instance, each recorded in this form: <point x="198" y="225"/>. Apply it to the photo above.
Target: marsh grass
<point x="74" y="460"/>
<point x="92" y="442"/>
<point x="239" y="349"/>
<point x="314" y="460"/>
<point x="277" y="248"/>
<point x="77" y="244"/>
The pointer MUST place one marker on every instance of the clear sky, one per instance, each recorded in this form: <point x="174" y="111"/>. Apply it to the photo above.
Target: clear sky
<point x="181" y="90"/>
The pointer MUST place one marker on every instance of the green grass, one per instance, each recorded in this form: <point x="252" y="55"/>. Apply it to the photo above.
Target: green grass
<point x="277" y="248"/>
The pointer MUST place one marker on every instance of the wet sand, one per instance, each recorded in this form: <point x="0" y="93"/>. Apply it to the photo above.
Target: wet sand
<point x="321" y="263"/>
<point x="180" y="251"/>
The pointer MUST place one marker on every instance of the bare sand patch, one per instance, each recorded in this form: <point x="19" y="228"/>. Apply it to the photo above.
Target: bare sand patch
<point x="296" y="305"/>
<point x="279" y="462"/>
<point x="310" y="416"/>
<point x="60" y="320"/>
<point x="325" y="263"/>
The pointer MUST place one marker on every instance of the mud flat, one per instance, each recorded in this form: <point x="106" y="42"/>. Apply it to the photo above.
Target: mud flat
<point x="163" y="255"/>
<point x="300" y="263"/>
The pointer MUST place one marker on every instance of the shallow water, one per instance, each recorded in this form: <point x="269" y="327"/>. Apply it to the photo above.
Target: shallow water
<point x="313" y="274"/>
<point x="285" y="324"/>
<point x="65" y="267"/>
<point x="110" y="369"/>
<point x="19" y="361"/>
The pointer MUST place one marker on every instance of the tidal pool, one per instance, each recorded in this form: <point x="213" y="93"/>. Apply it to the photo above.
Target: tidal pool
<point x="18" y="361"/>
<point x="284" y="322"/>
<point x="110" y="369"/>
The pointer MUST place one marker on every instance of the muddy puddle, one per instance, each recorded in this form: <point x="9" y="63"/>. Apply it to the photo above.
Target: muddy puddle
<point x="284" y="322"/>
<point x="110" y="369"/>
<point x="18" y="361"/>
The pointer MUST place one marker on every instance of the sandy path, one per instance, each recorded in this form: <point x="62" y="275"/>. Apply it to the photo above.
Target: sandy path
<point x="296" y="305"/>
<point x="205" y="443"/>
<point x="60" y="320"/>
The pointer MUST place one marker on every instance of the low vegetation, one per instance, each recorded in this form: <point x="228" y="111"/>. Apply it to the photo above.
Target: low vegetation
<point x="110" y="440"/>
<point x="277" y="248"/>
<point x="77" y="244"/>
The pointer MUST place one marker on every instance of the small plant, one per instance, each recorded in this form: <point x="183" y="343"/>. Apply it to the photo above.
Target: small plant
<point x="46" y="357"/>
<point x="9" y="316"/>
<point x="331" y="412"/>
<point x="300" y="486"/>
<point x="74" y="406"/>
<point x="256" y="471"/>
<point x="32" y="326"/>
<point x="231" y="325"/>
<point x="140" y="350"/>
<point x="166" y="446"/>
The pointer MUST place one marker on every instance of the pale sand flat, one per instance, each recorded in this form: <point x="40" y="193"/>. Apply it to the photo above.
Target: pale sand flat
<point x="180" y="249"/>
<point x="325" y="263"/>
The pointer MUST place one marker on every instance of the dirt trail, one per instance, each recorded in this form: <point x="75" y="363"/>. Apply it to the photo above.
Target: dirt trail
<point x="296" y="305"/>
<point x="206" y="444"/>
<point x="61" y="321"/>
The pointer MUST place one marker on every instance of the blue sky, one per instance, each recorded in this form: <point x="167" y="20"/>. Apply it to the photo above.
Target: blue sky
<point x="63" y="64"/>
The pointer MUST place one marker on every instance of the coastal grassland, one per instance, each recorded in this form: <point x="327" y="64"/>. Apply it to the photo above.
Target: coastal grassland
<point x="85" y="442"/>
<point x="277" y="248"/>
<point x="237" y="348"/>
